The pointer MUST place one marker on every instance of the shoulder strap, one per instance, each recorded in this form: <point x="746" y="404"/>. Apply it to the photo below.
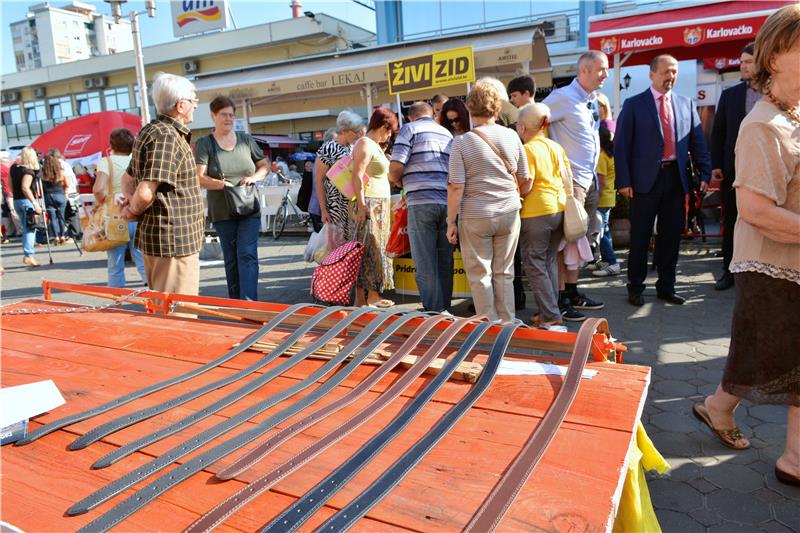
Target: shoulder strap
<point x="110" y="178"/>
<point x="511" y="170"/>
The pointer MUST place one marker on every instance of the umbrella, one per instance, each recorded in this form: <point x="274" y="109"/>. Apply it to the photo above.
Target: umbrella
<point x="87" y="135"/>
<point x="302" y="156"/>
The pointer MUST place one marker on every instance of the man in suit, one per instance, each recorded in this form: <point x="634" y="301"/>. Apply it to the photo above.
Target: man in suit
<point x="734" y="103"/>
<point x="656" y="132"/>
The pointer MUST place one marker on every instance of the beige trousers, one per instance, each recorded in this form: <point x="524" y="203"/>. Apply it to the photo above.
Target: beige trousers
<point x="179" y="275"/>
<point x="487" y="248"/>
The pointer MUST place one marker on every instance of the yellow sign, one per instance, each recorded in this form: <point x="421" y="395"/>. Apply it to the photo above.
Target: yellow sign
<point x="406" y="283"/>
<point x="448" y="67"/>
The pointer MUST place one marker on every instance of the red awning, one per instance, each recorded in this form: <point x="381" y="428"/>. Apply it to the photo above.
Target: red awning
<point x="709" y="29"/>
<point x="86" y="135"/>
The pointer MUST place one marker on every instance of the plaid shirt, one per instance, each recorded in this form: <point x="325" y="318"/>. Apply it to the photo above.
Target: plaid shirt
<point x="173" y="225"/>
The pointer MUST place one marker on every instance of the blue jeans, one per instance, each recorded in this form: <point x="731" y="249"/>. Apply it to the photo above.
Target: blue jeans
<point x="606" y="246"/>
<point x="116" y="260"/>
<point x="56" y="206"/>
<point x="239" y="241"/>
<point x="432" y="254"/>
<point x="28" y="234"/>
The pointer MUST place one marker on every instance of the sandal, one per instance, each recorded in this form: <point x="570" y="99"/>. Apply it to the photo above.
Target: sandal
<point x="787" y="478"/>
<point x="732" y="438"/>
<point x="382" y="304"/>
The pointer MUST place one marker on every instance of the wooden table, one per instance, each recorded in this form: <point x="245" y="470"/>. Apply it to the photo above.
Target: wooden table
<point x="95" y="357"/>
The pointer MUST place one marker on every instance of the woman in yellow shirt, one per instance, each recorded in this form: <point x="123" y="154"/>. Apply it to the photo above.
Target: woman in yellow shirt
<point x="542" y="212"/>
<point x="607" y="266"/>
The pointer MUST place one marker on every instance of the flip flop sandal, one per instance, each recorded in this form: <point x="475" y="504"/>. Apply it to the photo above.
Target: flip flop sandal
<point x="728" y="437"/>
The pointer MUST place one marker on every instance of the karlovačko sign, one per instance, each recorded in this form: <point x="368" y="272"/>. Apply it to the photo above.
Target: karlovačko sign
<point x="439" y="69"/>
<point x="692" y="35"/>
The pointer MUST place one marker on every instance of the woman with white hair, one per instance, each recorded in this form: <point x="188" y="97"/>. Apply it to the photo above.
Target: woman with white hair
<point x="333" y="205"/>
<point x="542" y="212"/>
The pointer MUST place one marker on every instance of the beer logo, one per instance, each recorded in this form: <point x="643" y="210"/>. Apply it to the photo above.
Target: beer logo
<point x="692" y="36"/>
<point x="76" y="144"/>
<point x="198" y="10"/>
<point x="609" y="45"/>
<point x="720" y="63"/>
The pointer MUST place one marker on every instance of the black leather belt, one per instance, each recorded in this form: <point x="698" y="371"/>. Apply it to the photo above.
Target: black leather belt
<point x="504" y="493"/>
<point x="361" y="504"/>
<point x="182" y="472"/>
<point x="133" y="418"/>
<point x="228" y="507"/>
<point x="127" y="398"/>
<point x="296" y="515"/>
<point x="669" y="163"/>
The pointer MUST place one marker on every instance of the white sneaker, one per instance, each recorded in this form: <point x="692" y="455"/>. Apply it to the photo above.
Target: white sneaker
<point x="608" y="270"/>
<point x="597" y="265"/>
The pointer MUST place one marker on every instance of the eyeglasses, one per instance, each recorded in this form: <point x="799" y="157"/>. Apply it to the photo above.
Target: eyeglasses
<point x="226" y="115"/>
<point x="195" y="101"/>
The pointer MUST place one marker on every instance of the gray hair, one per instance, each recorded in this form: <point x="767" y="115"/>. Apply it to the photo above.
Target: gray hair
<point x="348" y="121"/>
<point x="420" y="109"/>
<point x="497" y="84"/>
<point x="330" y="133"/>
<point x="589" y="58"/>
<point x="656" y="61"/>
<point x="169" y="89"/>
<point x="532" y="116"/>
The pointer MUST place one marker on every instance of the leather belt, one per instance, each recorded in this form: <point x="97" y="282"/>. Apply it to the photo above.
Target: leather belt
<point x="243" y="391"/>
<point x="668" y="163"/>
<point x="221" y="512"/>
<point x="133" y="418"/>
<point x="196" y="464"/>
<point x="378" y="489"/>
<point x="296" y="515"/>
<point x="127" y="398"/>
<point x="504" y="493"/>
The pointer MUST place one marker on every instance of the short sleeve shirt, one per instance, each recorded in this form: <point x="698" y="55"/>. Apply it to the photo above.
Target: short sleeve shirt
<point x="173" y="224"/>
<point x="236" y="164"/>
<point x="605" y="166"/>
<point x="547" y="163"/>
<point x="330" y="152"/>
<point x="119" y="164"/>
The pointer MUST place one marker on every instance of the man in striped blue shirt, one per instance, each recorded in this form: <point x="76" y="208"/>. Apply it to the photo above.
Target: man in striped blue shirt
<point x="419" y="165"/>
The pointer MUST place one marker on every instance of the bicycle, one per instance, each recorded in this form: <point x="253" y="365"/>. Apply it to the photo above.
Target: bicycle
<point x="281" y="216"/>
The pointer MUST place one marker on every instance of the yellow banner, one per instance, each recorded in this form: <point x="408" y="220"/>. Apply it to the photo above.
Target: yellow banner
<point x="448" y="67"/>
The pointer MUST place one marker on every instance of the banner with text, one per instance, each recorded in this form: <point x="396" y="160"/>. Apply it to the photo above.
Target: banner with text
<point x="198" y="16"/>
<point x="439" y="69"/>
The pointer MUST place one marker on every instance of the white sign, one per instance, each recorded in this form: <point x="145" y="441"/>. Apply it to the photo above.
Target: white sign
<point x="240" y="124"/>
<point x="197" y="16"/>
<point x="25" y="401"/>
<point x="706" y="94"/>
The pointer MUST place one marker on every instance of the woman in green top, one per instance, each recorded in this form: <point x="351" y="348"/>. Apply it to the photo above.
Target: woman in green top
<point x="240" y="161"/>
<point x="372" y="202"/>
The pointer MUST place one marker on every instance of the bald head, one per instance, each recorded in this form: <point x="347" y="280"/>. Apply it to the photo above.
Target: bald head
<point x="419" y="110"/>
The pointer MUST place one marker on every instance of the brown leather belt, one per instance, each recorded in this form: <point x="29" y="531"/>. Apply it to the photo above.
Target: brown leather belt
<point x="504" y="493"/>
<point x="221" y="512"/>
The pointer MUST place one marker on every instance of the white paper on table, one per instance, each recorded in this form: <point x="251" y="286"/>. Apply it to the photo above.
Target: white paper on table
<point x="26" y="401"/>
<point x="533" y="368"/>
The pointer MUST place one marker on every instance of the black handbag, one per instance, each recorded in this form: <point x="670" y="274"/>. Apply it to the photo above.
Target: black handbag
<point x="34" y="220"/>
<point x="242" y="200"/>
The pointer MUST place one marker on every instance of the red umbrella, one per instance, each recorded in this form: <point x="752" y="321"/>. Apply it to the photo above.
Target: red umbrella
<point x="86" y="135"/>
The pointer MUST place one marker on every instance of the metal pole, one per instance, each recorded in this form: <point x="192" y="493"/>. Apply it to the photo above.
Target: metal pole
<point x="368" y="88"/>
<point x="617" y="84"/>
<point x="140" y="77"/>
<point x="399" y="110"/>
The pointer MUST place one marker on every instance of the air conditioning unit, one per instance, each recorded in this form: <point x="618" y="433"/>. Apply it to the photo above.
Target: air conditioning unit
<point x="99" y="82"/>
<point x="88" y="83"/>
<point x="10" y="97"/>
<point x="190" y="67"/>
<point x="39" y="92"/>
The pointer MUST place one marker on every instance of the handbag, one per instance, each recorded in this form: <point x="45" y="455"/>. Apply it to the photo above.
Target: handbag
<point x="398" y="244"/>
<point x="576" y="221"/>
<point x="334" y="280"/>
<point x="242" y="200"/>
<point x="107" y="228"/>
<point x="509" y="167"/>
<point x="34" y="220"/>
<point x="341" y="175"/>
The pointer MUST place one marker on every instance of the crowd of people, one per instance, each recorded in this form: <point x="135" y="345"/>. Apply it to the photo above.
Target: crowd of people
<point x="492" y="175"/>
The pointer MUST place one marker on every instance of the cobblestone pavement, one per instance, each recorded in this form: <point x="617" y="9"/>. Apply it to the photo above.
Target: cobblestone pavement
<point x="709" y="487"/>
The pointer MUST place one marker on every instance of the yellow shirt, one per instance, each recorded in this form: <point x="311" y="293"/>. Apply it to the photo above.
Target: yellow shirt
<point x="605" y="166"/>
<point x="547" y="162"/>
<point x="378" y="172"/>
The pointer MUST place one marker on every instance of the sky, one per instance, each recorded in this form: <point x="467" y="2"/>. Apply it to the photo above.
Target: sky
<point x="159" y="29"/>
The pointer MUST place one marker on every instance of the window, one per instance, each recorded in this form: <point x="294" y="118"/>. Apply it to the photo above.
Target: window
<point x="88" y="103"/>
<point x="60" y="107"/>
<point x="10" y="114"/>
<point x="117" y="99"/>
<point x="35" y="110"/>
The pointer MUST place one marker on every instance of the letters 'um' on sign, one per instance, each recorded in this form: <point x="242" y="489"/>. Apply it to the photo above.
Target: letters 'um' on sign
<point x="439" y="69"/>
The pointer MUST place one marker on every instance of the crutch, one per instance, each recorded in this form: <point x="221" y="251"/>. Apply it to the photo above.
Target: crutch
<point x="72" y="233"/>
<point x="40" y="194"/>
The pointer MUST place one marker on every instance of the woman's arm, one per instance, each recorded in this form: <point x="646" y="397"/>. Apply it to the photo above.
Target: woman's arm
<point x="320" y="168"/>
<point x="361" y="159"/>
<point x="774" y="222"/>
<point x="206" y="181"/>
<point x="261" y="172"/>
<point x="27" y="181"/>
<point x="99" y="187"/>
<point x="455" y="191"/>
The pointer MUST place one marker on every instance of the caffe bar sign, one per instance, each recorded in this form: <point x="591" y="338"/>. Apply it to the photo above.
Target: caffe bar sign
<point x="439" y="69"/>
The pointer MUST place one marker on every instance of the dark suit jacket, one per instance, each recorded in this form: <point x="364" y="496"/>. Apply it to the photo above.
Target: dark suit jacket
<point x="639" y="144"/>
<point x="729" y="115"/>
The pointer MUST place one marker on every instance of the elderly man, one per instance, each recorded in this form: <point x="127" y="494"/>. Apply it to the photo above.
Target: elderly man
<point x="163" y="192"/>
<point x="420" y="161"/>
<point x="656" y="131"/>
<point x="574" y="124"/>
<point x="734" y="103"/>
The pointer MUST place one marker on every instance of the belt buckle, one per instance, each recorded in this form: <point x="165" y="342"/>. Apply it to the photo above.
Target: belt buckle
<point x="668" y="162"/>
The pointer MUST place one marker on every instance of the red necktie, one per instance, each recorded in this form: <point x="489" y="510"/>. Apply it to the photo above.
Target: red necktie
<point x="666" y="127"/>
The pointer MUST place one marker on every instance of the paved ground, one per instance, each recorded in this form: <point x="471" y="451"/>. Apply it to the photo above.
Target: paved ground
<point x="709" y="488"/>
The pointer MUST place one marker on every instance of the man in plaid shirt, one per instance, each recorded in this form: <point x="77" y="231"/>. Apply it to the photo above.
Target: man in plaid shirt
<point x="163" y="193"/>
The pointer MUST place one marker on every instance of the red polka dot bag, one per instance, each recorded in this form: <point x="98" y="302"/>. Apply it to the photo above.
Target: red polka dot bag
<point x="334" y="280"/>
